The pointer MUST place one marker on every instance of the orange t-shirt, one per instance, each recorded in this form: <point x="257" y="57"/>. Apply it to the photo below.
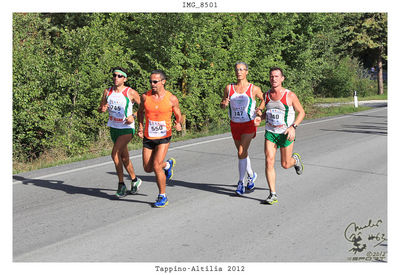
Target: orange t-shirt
<point x="158" y="116"/>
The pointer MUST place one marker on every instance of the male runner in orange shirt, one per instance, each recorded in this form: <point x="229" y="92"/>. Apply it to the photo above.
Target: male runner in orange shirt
<point x="156" y="106"/>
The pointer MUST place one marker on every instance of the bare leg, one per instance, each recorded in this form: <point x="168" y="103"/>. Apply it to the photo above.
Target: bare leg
<point x="158" y="157"/>
<point x="128" y="163"/>
<point x="117" y="155"/>
<point x="270" y="149"/>
<point x="287" y="161"/>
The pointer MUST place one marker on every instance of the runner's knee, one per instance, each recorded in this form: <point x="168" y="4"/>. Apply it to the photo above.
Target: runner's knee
<point x="285" y="164"/>
<point x="269" y="162"/>
<point x="242" y="155"/>
<point x="157" y="166"/>
<point x="114" y="155"/>
<point x="148" y="168"/>
<point x="125" y="159"/>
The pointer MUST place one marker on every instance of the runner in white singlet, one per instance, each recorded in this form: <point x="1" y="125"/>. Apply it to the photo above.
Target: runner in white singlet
<point x="119" y="108"/>
<point x="279" y="115"/>
<point x="241" y="99"/>
<point x="118" y="100"/>
<point x="280" y="129"/>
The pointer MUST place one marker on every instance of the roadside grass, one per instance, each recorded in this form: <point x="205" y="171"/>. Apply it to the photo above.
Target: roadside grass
<point x="318" y="112"/>
<point x="103" y="147"/>
<point x="349" y="99"/>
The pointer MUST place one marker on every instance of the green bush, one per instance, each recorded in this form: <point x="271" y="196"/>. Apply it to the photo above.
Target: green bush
<point x="343" y="78"/>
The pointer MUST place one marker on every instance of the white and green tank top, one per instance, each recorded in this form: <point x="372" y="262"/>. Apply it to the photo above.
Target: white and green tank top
<point x="241" y="106"/>
<point x="119" y="108"/>
<point x="279" y="115"/>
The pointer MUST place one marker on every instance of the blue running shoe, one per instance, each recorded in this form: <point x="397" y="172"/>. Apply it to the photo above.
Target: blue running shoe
<point x="161" y="201"/>
<point x="250" y="181"/>
<point x="169" y="173"/>
<point x="240" y="189"/>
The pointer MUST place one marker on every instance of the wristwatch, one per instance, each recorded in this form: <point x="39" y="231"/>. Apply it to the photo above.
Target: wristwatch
<point x="294" y="126"/>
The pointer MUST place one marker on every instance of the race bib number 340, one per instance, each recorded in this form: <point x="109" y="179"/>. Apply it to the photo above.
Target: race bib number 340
<point x="157" y="128"/>
<point x="275" y="117"/>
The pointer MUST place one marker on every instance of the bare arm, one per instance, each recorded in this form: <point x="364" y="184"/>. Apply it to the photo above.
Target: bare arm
<point x="103" y="103"/>
<point x="177" y="112"/>
<point x="259" y="94"/>
<point x="298" y="108"/>
<point x="140" y="115"/>
<point x="291" y="131"/>
<point x="225" y="100"/>
<point x="133" y="96"/>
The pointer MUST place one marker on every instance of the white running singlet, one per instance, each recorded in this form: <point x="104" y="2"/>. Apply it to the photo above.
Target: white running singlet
<point x="119" y="108"/>
<point x="241" y="106"/>
<point x="280" y="115"/>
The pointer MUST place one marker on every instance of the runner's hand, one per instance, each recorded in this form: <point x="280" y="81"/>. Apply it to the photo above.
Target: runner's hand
<point x="178" y="126"/>
<point x="129" y="120"/>
<point x="225" y="102"/>
<point x="103" y="108"/>
<point x="257" y="121"/>
<point x="291" y="133"/>
<point x="140" y="133"/>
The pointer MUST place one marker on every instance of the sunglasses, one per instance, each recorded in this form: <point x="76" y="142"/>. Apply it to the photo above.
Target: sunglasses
<point x="154" y="81"/>
<point x="118" y="75"/>
<point x="240" y="70"/>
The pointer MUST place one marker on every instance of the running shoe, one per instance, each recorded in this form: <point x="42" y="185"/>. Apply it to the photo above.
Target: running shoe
<point x="169" y="173"/>
<point x="240" y="189"/>
<point x="272" y="198"/>
<point x="121" y="192"/>
<point x="250" y="181"/>
<point x="299" y="164"/>
<point x="161" y="201"/>
<point x="135" y="185"/>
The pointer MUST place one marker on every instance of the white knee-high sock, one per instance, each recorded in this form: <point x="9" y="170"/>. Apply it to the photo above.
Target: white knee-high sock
<point x="248" y="168"/>
<point x="242" y="168"/>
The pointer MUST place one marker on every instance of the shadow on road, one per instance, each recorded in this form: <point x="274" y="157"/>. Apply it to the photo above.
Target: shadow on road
<point x="222" y="189"/>
<point x="377" y="128"/>
<point x="71" y="189"/>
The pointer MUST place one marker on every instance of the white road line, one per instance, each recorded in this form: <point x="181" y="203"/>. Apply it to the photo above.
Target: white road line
<point x="174" y="148"/>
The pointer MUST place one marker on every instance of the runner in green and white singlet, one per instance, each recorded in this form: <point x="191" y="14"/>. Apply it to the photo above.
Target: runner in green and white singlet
<point x="280" y="129"/>
<point x="118" y="100"/>
<point x="120" y="108"/>
<point x="279" y="115"/>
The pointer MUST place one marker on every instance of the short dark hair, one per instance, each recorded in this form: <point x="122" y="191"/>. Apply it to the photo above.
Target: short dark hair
<point x="160" y="72"/>
<point x="276" y="69"/>
<point x="120" y="69"/>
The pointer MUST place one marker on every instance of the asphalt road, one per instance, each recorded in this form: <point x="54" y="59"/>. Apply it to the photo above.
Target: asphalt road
<point x="69" y="213"/>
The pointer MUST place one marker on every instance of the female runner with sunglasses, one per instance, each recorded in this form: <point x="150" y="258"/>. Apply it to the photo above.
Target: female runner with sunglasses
<point x="119" y="100"/>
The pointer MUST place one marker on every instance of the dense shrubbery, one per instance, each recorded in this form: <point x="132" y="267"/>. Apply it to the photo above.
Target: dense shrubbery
<point x="61" y="65"/>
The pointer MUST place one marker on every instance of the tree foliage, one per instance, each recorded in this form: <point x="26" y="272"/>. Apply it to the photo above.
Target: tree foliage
<point x="61" y="64"/>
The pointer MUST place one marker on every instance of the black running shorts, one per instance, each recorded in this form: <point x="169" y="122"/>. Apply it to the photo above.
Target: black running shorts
<point x="152" y="143"/>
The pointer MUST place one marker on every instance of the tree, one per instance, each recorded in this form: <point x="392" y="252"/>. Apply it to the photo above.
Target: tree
<point x="34" y="109"/>
<point x="366" y="36"/>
